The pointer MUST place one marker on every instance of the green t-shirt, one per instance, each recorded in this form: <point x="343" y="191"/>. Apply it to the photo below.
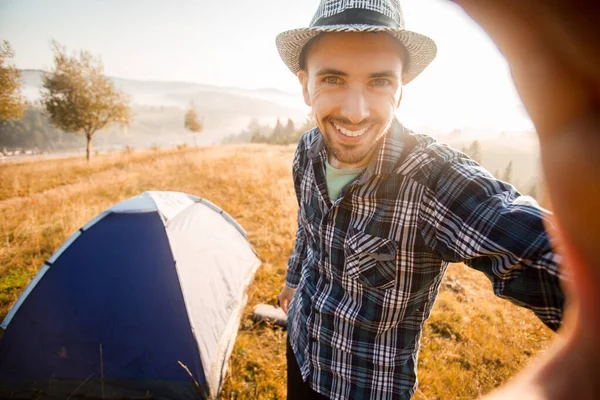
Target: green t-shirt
<point x="338" y="178"/>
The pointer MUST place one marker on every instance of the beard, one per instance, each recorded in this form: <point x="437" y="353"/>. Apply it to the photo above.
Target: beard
<point x="351" y="154"/>
<point x="347" y="154"/>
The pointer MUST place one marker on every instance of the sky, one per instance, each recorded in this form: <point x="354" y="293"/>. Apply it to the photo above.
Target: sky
<point x="232" y="43"/>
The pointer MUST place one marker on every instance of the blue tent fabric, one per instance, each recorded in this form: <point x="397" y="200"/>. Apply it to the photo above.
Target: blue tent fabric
<point x="109" y="314"/>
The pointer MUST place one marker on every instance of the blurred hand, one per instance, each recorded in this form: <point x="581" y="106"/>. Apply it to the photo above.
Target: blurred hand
<point x="285" y="297"/>
<point x="553" y="49"/>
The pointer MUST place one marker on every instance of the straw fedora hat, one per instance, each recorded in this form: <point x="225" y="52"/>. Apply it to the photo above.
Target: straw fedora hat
<point x="359" y="16"/>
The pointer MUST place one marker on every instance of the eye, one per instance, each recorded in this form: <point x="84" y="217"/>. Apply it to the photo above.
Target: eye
<point x="332" y="80"/>
<point x="380" y="82"/>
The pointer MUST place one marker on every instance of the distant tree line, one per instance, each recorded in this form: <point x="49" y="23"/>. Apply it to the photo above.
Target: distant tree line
<point x="77" y="98"/>
<point x="280" y="134"/>
<point x="34" y="131"/>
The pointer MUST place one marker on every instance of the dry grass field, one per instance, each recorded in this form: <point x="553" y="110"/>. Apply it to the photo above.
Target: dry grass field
<point x="472" y="343"/>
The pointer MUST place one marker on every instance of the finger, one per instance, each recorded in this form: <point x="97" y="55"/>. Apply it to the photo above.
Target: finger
<point x="572" y="166"/>
<point x="284" y="306"/>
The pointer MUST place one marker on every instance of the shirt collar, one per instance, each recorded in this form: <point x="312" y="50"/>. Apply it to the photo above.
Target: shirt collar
<point x="384" y="159"/>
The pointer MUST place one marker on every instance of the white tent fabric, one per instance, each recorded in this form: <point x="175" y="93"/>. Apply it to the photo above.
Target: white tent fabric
<point x="214" y="294"/>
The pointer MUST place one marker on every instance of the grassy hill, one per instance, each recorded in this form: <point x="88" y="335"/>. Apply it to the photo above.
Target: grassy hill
<point x="471" y="344"/>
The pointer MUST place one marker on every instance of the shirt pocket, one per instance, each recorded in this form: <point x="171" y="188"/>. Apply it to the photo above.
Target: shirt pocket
<point x="371" y="260"/>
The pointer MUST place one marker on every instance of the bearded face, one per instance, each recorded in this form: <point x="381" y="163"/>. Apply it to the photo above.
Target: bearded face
<point x="353" y="83"/>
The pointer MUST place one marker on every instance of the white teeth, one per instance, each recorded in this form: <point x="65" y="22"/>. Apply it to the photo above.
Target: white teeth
<point x="350" y="133"/>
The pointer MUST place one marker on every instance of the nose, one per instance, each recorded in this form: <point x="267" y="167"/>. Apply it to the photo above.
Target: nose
<point x="355" y="106"/>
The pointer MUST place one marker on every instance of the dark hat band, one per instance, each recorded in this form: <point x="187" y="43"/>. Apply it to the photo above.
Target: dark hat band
<point x="358" y="16"/>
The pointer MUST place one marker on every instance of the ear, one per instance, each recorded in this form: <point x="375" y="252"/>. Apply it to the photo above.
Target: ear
<point x="303" y="79"/>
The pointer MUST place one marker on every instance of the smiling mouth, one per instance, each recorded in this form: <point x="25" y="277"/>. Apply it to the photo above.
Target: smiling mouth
<point x="350" y="133"/>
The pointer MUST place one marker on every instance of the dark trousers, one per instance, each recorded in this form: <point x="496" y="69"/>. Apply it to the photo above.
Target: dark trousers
<point x="297" y="389"/>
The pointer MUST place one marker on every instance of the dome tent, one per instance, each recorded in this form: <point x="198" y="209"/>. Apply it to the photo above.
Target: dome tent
<point x="145" y="299"/>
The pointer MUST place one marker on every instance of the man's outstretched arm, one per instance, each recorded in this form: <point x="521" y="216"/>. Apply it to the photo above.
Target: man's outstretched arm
<point x="469" y="216"/>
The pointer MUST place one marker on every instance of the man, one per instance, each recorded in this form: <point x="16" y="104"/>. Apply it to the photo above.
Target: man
<point x="382" y="211"/>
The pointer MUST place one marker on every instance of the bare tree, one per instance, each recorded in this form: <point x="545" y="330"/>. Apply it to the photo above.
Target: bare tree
<point x="79" y="98"/>
<point x="12" y="104"/>
<point x="192" y="123"/>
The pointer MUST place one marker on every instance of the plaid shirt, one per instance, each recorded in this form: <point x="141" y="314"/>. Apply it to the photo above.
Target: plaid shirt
<point x="368" y="267"/>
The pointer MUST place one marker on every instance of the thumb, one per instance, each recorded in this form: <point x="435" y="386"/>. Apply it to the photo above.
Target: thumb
<point x="284" y="305"/>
